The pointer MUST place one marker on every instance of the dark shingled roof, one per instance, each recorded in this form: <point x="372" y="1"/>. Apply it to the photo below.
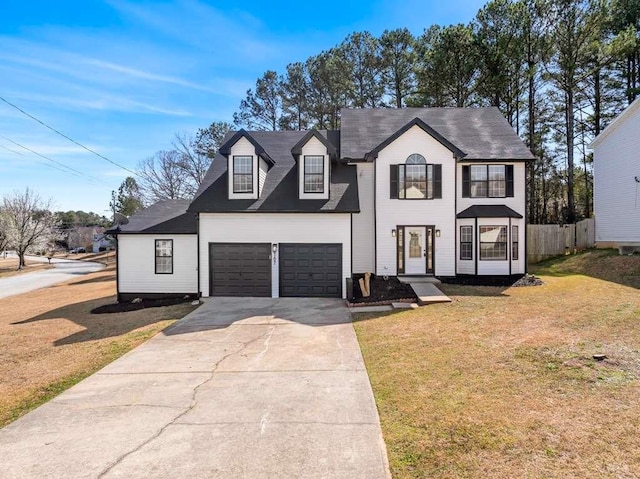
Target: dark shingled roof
<point x="480" y="133"/>
<point x="280" y="191"/>
<point x="169" y="216"/>
<point x="489" y="211"/>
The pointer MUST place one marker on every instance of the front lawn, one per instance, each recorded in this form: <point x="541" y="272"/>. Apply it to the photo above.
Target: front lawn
<point x="501" y="383"/>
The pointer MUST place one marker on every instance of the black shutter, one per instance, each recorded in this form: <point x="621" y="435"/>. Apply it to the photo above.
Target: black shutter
<point x="466" y="182"/>
<point x="393" y="187"/>
<point x="437" y="181"/>
<point x="508" y="174"/>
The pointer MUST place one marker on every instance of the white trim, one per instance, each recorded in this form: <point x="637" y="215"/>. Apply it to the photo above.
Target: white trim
<point x="615" y="123"/>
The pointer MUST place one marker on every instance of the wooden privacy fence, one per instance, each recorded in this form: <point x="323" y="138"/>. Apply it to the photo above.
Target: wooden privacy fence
<point x="546" y="241"/>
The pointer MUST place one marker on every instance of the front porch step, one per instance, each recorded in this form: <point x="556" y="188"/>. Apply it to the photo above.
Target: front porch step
<point x="428" y="293"/>
<point x="419" y="279"/>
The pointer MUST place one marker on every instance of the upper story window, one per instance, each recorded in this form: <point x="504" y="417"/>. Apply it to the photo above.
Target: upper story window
<point x="243" y="174"/>
<point x="487" y="181"/>
<point x="416" y="179"/>
<point x="314" y="174"/>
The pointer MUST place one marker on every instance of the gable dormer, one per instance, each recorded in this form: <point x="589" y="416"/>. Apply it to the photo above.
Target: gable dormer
<point x="313" y="155"/>
<point x="247" y="166"/>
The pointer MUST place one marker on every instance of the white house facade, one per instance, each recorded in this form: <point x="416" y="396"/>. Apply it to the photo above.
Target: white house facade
<point x="616" y="176"/>
<point x="406" y="192"/>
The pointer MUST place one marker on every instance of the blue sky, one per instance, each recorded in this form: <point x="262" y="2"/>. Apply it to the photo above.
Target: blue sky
<point x="122" y="77"/>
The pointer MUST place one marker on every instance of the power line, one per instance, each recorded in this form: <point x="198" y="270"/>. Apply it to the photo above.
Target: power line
<point x="67" y="137"/>
<point x="72" y="170"/>
<point x="41" y="162"/>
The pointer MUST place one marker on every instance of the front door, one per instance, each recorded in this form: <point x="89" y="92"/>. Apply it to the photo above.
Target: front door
<point x="418" y="250"/>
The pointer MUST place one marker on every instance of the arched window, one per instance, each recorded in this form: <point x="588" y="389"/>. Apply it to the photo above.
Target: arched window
<point x="416" y="159"/>
<point x="416" y="178"/>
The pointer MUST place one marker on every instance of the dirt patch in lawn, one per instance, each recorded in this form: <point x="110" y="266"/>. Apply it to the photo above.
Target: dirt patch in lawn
<point x="382" y="291"/>
<point x="503" y="383"/>
<point x="49" y="340"/>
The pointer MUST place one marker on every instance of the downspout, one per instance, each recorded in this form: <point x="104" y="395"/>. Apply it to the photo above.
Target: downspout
<point x="509" y="246"/>
<point x="198" y="252"/>
<point x="455" y="215"/>
<point x="117" y="268"/>
<point x="477" y="244"/>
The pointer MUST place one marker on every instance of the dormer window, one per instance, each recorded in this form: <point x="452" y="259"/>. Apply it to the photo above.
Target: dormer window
<point x="314" y="174"/>
<point x="243" y="174"/>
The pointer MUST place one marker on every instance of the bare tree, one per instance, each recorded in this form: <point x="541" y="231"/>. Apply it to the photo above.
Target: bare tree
<point x="4" y="236"/>
<point x="29" y="221"/>
<point x="191" y="160"/>
<point x="163" y="178"/>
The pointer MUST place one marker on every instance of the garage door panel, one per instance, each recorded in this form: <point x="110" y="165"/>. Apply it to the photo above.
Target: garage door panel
<point x="311" y="269"/>
<point x="240" y="269"/>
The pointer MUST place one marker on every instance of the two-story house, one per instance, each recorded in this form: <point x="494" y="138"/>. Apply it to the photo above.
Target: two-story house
<point x="413" y="192"/>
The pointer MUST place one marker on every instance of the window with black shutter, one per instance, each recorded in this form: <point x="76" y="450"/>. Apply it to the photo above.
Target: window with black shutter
<point x="487" y="181"/>
<point x="416" y="179"/>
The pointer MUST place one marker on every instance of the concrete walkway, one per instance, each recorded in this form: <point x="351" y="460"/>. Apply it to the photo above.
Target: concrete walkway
<point x="428" y="293"/>
<point x="64" y="270"/>
<point x="242" y="388"/>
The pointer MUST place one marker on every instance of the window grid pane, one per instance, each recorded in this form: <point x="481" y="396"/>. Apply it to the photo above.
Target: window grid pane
<point x="514" y="243"/>
<point x="164" y="256"/>
<point x="314" y="174"/>
<point x="243" y="174"/>
<point x="415" y="181"/>
<point x="493" y="242"/>
<point x="466" y="242"/>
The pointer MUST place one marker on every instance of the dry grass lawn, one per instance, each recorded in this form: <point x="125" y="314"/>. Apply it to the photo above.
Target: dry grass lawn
<point x="49" y="340"/>
<point x="9" y="267"/>
<point x="501" y="383"/>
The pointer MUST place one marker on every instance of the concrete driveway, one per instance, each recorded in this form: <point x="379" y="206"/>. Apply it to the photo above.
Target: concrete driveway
<point x="64" y="270"/>
<point x="255" y="388"/>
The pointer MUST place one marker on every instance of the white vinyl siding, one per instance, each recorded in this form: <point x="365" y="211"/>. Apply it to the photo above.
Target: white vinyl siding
<point x="262" y="175"/>
<point x="243" y="147"/>
<point x="393" y="212"/>
<point x="362" y="223"/>
<point x="274" y="228"/>
<point x="467" y="266"/>
<point x="137" y="264"/>
<point x="516" y="203"/>
<point x="314" y="148"/>
<point x="616" y="173"/>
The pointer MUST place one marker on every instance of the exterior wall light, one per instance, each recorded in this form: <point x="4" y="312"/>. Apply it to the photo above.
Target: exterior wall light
<point x="437" y="233"/>
<point x="393" y="233"/>
<point x="274" y="248"/>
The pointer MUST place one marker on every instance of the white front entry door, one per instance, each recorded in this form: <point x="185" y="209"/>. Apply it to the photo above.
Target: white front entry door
<point x="415" y="250"/>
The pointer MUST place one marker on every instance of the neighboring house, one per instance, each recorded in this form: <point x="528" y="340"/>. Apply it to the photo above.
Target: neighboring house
<point x="413" y="191"/>
<point x="100" y="240"/>
<point x="616" y="177"/>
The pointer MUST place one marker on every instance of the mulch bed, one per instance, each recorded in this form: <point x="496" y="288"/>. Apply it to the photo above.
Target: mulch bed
<point x="383" y="291"/>
<point x="126" y="306"/>
<point x="501" y="281"/>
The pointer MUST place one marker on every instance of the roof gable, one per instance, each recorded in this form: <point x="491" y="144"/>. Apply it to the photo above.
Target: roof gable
<point x="457" y="153"/>
<point x="297" y="148"/>
<point x="225" y="149"/>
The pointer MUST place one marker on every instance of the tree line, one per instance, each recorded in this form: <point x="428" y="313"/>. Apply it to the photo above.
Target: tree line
<point x="558" y="70"/>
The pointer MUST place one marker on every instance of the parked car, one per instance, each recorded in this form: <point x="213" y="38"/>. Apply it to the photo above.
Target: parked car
<point x="78" y="250"/>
